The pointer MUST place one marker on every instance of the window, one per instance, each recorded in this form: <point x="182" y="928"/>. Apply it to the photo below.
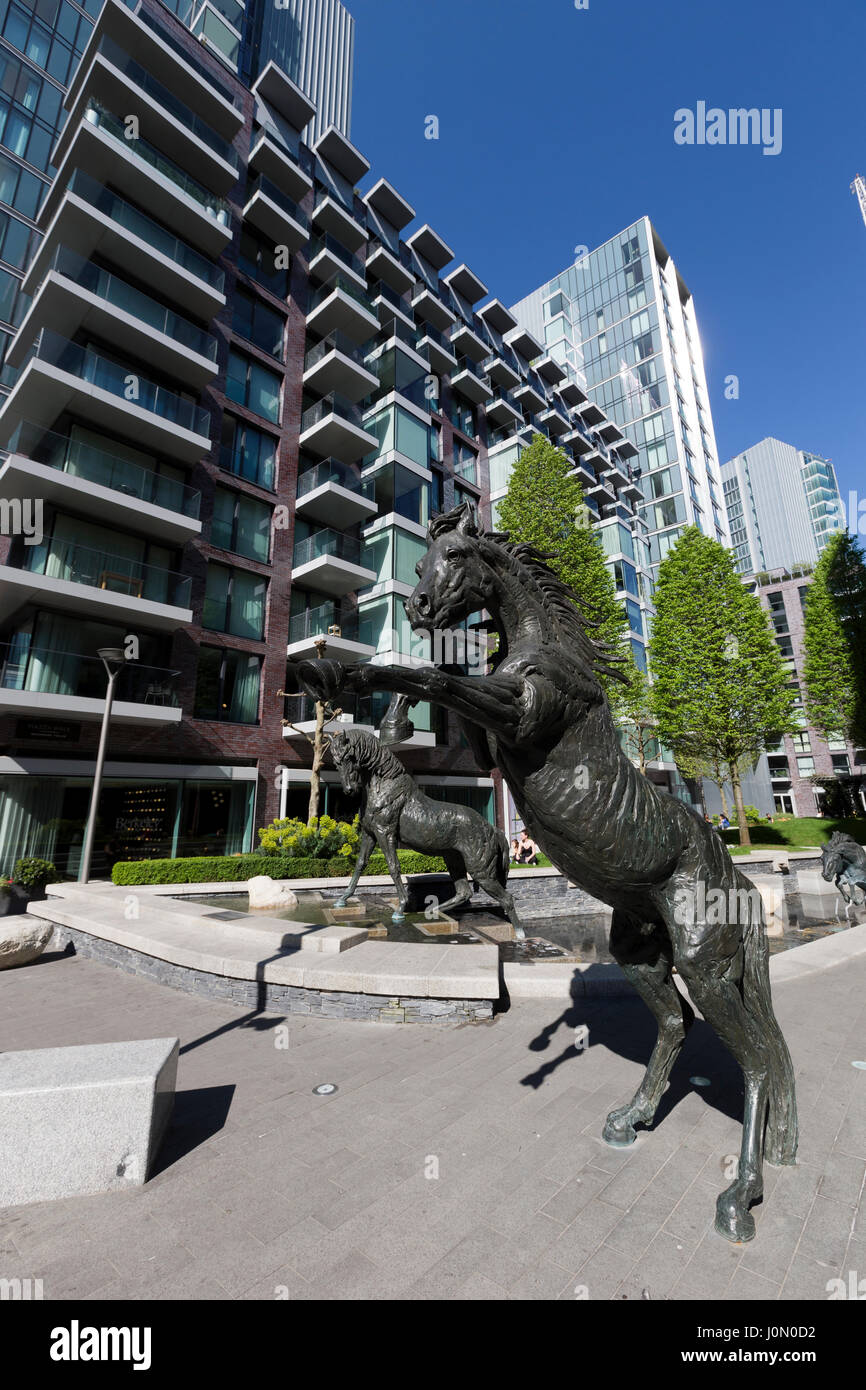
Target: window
<point x="806" y="767"/>
<point x="802" y="743"/>
<point x="840" y="763"/>
<point x="227" y="686"/>
<point x="463" y="416"/>
<point x="465" y="463"/>
<point x="256" y="257"/>
<point x="248" y="452"/>
<point x="258" y="323"/>
<point x="234" y="601"/>
<point x="399" y="490"/>
<point x="397" y="429"/>
<point x="253" y="386"/>
<point x="242" y="524"/>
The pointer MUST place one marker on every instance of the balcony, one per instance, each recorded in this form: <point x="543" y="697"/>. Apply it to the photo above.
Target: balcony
<point x="347" y="638"/>
<point x="501" y="373"/>
<point x="61" y="375"/>
<point x="469" y="381"/>
<point x="79" y="296"/>
<point x="332" y="427"/>
<point x="585" y="475"/>
<point x="78" y="476"/>
<point x="336" y="364"/>
<point x="529" y="396"/>
<point x="276" y="214"/>
<point x="135" y="169"/>
<point x="601" y="493"/>
<point x="430" y="245"/>
<point x="284" y="96"/>
<point x="468" y="286"/>
<point x="38" y="681"/>
<point x="437" y="347"/>
<point x="616" y="472"/>
<point x="169" y="63"/>
<point x="92" y="220"/>
<point x="95" y="584"/>
<point x="382" y="265"/>
<point x="590" y="414"/>
<point x="429" y="306"/>
<point x="467" y="343"/>
<point x="329" y="259"/>
<point x="522" y="341"/>
<point x="333" y="493"/>
<point x="388" y="304"/>
<point x="300" y="710"/>
<point x="281" y="165"/>
<point x="502" y="409"/>
<point x="553" y="420"/>
<point x="497" y="317"/>
<point x="609" y="432"/>
<point x="114" y="79"/>
<point x="577" y="440"/>
<point x="632" y="490"/>
<point x="548" y="368"/>
<point x="342" y="307"/>
<point x="330" y="563"/>
<point x="384" y="199"/>
<point x="331" y="216"/>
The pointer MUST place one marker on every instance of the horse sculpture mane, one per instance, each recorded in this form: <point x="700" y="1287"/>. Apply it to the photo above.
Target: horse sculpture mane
<point x="368" y="753"/>
<point x="563" y="606"/>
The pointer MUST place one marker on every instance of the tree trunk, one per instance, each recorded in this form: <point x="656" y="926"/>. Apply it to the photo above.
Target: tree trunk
<point x="745" y="838"/>
<point x="318" y="759"/>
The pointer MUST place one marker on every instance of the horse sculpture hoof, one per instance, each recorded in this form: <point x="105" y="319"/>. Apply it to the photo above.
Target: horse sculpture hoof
<point x="398" y="917"/>
<point x="618" y="1133"/>
<point x="341" y="902"/>
<point x="734" y="1221"/>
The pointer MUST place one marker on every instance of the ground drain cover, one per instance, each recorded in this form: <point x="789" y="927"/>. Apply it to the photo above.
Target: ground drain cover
<point x="327" y="1088"/>
<point x="226" y="916"/>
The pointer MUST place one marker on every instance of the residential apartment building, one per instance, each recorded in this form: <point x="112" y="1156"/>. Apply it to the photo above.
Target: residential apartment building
<point x="241" y="389"/>
<point x="783" y="506"/>
<point x="806" y="755"/>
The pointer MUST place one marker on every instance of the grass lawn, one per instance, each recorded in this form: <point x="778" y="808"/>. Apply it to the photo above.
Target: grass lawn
<point x="797" y="832"/>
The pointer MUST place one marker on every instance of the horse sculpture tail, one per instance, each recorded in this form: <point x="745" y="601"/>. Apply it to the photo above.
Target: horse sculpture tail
<point x="780" y="1144"/>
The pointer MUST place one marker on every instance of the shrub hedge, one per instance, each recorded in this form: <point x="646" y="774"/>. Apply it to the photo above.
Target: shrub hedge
<point x="236" y="868"/>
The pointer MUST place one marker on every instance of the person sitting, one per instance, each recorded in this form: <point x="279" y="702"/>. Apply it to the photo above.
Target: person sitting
<point x="515" y="851"/>
<point x="724" y="823"/>
<point x="529" y="850"/>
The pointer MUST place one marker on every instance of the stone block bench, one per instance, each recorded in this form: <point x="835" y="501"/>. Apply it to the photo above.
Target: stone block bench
<point x="78" y="1120"/>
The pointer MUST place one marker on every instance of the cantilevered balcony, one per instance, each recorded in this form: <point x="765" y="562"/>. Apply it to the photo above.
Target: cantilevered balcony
<point x="468" y="379"/>
<point x="501" y="373"/>
<point x="40" y="681"/>
<point x="529" y="396"/>
<point x="522" y="341"/>
<point x="79" y="476"/>
<point x="438" y="348"/>
<point x="136" y="170"/>
<point x="356" y="715"/>
<point x="337" y="364"/>
<point x="428" y="305"/>
<point x="382" y="264"/>
<point x="502" y="409"/>
<point x="578" y="440"/>
<point x="601" y="492"/>
<point x="330" y="563"/>
<point x="276" y="214"/>
<point x="389" y="304"/>
<point x="95" y="584"/>
<point x="330" y="215"/>
<point x="333" y="493"/>
<point x="329" y="259"/>
<point x="94" y="221"/>
<point x="615" y="472"/>
<point x="342" y="307"/>
<point x="610" y="432"/>
<point x="585" y="474"/>
<point x="114" y="79"/>
<point x="79" y="296"/>
<point x="467" y="343"/>
<point x="347" y="638"/>
<point x="590" y="414"/>
<point x="281" y="165"/>
<point x="61" y="375"/>
<point x="284" y="96"/>
<point x="632" y="490"/>
<point x="554" y="420"/>
<point x="332" y="427"/>
<point x="627" y="450"/>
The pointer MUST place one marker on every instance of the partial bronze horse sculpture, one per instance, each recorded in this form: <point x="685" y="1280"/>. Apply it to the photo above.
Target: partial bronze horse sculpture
<point x="844" y="863"/>
<point x="396" y="812"/>
<point x="543" y="718"/>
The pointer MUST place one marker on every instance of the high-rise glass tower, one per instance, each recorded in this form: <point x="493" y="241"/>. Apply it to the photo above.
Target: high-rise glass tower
<point x="622" y="319"/>
<point x="783" y="506"/>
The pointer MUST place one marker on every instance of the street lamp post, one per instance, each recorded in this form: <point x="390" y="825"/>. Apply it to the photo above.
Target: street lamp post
<point x="113" y="659"/>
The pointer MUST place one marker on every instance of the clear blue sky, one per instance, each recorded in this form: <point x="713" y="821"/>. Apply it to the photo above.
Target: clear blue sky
<point x="556" y="129"/>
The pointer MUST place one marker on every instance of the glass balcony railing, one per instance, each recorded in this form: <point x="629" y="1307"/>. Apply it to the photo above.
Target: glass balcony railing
<point x="110" y="376"/>
<point x="333" y="404"/>
<point x="339" y="342"/>
<point x="120" y="59"/>
<point x="95" y="465"/>
<point x="379" y="290"/>
<point x="333" y="471"/>
<point x="101" y="569"/>
<point x="106" y="121"/>
<point x="262" y="184"/>
<point x="144" y="227"/>
<point x="300" y="709"/>
<point x="465" y="364"/>
<point x="428" y="331"/>
<point x="43" y="671"/>
<point x="327" y="543"/>
<point x="499" y="393"/>
<point x="348" y="287"/>
<point x="186" y="10"/>
<point x="106" y="285"/>
<point x="316" y="622"/>
<point x="325" y="242"/>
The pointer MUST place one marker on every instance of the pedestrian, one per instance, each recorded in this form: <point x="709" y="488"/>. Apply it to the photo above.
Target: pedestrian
<point x="529" y="850"/>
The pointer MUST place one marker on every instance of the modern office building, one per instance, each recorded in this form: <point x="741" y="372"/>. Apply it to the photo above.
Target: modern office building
<point x="623" y="322"/>
<point x="783" y="506"/>
<point x="241" y="388"/>
<point x="803" y="759"/>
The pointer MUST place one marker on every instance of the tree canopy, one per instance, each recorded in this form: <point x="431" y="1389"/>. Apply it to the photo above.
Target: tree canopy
<point x="834" y="641"/>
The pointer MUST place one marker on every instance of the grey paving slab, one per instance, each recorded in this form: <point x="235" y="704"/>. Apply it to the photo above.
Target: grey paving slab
<point x="264" y="1191"/>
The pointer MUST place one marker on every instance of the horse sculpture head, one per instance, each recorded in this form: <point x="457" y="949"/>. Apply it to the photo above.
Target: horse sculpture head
<point x="453" y="580"/>
<point x="836" y="855"/>
<point x="358" y="757"/>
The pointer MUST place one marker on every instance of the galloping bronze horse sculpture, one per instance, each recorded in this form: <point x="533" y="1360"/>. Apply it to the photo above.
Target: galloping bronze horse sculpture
<point x="543" y="718"/>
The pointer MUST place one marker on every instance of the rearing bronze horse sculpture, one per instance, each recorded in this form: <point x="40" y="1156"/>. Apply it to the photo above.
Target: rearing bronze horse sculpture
<point x="543" y="718"/>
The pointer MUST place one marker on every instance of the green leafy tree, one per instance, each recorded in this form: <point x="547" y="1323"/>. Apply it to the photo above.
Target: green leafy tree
<point x="834" y="641"/>
<point x="639" y="724"/>
<point x="545" y="507"/>
<point x="720" y="690"/>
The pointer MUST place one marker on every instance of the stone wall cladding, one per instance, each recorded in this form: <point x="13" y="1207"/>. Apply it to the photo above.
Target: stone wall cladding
<point x="265" y="996"/>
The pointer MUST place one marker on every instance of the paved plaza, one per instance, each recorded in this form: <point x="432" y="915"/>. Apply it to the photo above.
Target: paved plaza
<point x="452" y="1162"/>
